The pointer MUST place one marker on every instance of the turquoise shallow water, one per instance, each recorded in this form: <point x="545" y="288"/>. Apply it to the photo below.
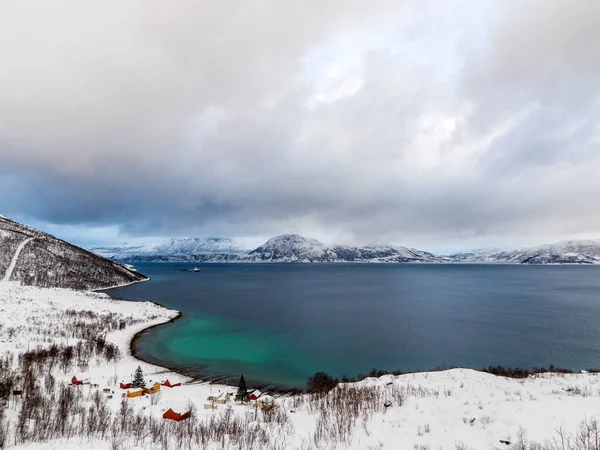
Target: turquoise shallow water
<point x="281" y="323"/>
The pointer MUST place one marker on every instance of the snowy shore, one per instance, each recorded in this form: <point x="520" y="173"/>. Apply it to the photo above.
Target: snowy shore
<point x="453" y="409"/>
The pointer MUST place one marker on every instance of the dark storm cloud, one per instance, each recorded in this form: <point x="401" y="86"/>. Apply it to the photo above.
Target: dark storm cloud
<point x="439" y="122"/>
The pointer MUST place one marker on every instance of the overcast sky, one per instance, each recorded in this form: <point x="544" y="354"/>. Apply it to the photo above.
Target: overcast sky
<point x="438" y="124"/>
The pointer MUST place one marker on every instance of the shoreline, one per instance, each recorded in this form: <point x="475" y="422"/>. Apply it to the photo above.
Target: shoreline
<point x="193" y="378"/>
<point x="140" y="333"/>
<point x="131" y="347"/>
<point x="101" y="290"/>
<point x="216" y="379"/>
<point x="496" y="370"/>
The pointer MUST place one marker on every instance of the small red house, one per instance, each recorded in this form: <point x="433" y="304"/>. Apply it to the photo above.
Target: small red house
<point x="172" y="415"/>
<point x="168" y="384"/>
<point x="255" y="395"/>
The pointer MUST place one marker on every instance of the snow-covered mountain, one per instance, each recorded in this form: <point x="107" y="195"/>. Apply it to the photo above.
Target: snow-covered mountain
<point x="37" y="259"/>
<point x="296" y="248"/>
<point x="563" y="252"/>
<point x="190" y="249"/>
<point x="293" y="248"/>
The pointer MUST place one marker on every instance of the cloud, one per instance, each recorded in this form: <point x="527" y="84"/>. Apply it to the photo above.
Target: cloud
<point x="407" y="122"/>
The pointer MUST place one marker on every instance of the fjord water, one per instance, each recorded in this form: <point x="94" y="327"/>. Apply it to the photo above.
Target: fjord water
<point x="280" y="323"/>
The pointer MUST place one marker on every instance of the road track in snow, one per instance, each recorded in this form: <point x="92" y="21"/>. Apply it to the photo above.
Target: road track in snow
<point x="15" y="258"/>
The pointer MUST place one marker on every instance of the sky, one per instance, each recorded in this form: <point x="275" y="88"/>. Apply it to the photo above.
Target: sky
<point x="441" y="125"/>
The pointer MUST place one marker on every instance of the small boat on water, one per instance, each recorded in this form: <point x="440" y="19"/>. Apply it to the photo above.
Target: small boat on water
<point x="196" y="269"/>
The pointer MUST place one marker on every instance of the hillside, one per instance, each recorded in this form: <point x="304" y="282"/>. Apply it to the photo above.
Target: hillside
<point x="45" y="261"/>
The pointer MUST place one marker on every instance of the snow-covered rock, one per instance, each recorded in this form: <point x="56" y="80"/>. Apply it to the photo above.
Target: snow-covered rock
<point x="37" y="259"/>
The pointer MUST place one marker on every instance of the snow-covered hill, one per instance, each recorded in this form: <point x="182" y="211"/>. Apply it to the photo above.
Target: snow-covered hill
<point x="35" y="258"/>
<point x="563" y="252"/>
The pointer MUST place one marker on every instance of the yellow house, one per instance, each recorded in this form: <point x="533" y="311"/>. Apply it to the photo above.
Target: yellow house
<point x="223" y="398"/>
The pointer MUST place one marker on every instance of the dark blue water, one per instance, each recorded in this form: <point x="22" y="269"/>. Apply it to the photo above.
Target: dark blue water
<point x="280" y="323"/>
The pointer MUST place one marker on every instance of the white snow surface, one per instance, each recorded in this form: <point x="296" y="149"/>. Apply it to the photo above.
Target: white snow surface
<point x="442" y="409"/>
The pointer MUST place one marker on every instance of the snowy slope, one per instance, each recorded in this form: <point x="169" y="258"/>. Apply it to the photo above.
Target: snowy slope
<point x="35" y="258"/>
<point x="563" y="252"/>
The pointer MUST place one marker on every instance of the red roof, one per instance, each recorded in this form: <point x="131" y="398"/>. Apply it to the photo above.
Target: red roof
<point x="170" y="414"/>
<point x="255" y="395"/>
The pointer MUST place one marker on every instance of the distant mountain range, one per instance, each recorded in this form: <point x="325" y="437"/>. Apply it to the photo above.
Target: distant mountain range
<point x="38" y="259"/>
<point x="284" y="248"/>
<point x="289" y="248"/>
<point x="563" y="252"/>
